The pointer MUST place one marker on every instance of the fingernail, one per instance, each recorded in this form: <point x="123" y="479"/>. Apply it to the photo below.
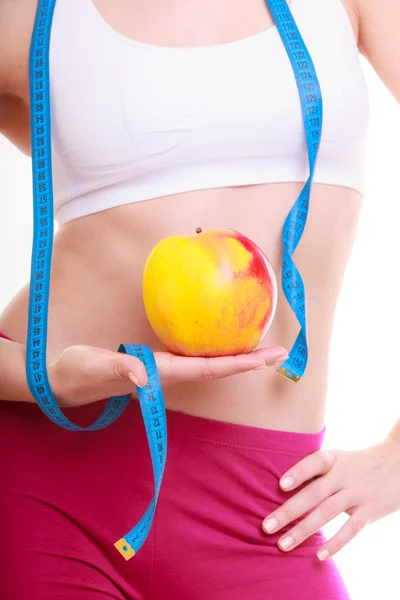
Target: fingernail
<point x="286" y="542"/>
<point x="281" y="359"/>
<point x="259" y="368"/>
<point x="287" y="482"/>
<point x="134" y="379"/>
<point x="323" y="554"/>
<point x="270" y="525"/>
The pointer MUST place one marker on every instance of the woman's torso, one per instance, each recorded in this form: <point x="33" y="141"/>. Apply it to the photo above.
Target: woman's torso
<point x="98" y="259"/>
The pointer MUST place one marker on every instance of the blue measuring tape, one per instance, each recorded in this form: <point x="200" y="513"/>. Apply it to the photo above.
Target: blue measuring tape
<point x="311" y="105"/>
<point x="151" y="396"/>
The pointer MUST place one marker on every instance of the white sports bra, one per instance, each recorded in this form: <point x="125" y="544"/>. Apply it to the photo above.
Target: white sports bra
<point x="133" y="121"/>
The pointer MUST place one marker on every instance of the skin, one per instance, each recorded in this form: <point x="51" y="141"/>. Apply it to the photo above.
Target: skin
<point x="336" y="481"/>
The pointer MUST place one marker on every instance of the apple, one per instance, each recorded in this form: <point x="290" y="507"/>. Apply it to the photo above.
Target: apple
<point x="210" y="294"/>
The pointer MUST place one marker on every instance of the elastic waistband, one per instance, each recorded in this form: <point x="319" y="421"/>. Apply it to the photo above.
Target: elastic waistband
<point x="244" y="436"/>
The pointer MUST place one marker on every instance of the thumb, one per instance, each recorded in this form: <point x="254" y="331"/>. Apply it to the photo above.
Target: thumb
<point x="125" y="366"/>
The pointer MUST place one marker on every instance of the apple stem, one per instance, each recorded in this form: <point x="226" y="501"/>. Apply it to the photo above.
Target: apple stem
<point x="198" y="229"/>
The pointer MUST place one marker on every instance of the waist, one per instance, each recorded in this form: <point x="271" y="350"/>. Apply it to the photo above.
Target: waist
<point x="96" y="291"/>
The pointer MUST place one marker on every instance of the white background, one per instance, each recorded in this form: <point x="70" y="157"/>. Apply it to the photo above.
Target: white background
<point x="364" y="375"/>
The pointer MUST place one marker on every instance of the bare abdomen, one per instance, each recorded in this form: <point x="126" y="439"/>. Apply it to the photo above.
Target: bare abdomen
<point x="96" y="295"/>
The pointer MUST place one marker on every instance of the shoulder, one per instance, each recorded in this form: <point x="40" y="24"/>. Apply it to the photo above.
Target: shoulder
<point x="16" y="25"/>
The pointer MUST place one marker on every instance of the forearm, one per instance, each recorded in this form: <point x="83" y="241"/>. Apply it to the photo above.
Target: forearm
<point x="13" y="383"/>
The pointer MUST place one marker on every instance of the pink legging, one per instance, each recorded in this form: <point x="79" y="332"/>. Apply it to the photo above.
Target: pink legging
<point x="66" y="497"/>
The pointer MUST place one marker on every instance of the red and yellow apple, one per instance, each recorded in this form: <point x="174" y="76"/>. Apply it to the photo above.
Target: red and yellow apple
<point x="210" y="294"/>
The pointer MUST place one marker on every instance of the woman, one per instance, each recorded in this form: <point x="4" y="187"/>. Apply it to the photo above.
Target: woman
<point x="162" y="120"/>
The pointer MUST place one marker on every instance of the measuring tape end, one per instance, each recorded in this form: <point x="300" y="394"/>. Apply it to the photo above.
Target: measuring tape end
<point x="288" y="374"/>
<point x="124" y="548"/>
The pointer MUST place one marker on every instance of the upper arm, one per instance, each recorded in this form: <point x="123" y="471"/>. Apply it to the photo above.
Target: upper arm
<point x="16" y="19"/>
<point x="5" y="67"/>
<point x="379" y="23"/>
<point x="15" y="121"/>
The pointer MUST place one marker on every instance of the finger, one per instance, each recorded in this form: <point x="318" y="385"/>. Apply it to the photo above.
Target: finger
<point x="311" y="466"/>
<point x="325" y="512"/>
<point x="269" y="356"/>
<point x="184" y="368"/>
<point x="125" y="366"/>
<point x="305" y="500"/>
<point x="350" y="529"/>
